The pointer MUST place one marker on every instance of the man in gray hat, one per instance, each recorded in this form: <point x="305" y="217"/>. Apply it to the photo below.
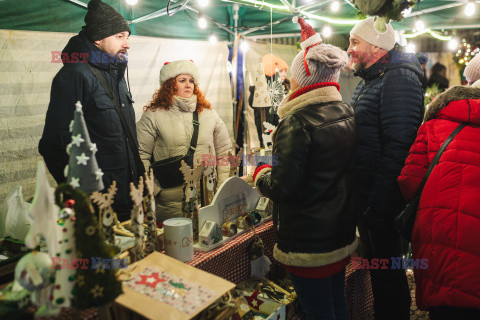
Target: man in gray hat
<point x="97" y="54"/>
<point x="388" y="105"/>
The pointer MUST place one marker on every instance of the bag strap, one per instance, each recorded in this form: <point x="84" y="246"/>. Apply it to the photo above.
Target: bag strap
<point x="126" y="129"/>
<point x="193" y="142"/>
<point x="437" y="157"/>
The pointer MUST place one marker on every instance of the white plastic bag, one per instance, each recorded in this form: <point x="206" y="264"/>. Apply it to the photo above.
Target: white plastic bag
<point x="14" y="218"/>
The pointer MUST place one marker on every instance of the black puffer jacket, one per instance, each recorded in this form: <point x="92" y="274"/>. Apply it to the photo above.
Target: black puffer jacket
<point x="388" y="106"/>
<point x="76" y="82"/>
<point x="311" y="182"/>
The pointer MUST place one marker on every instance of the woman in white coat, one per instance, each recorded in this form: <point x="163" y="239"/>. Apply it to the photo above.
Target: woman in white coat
<point x="165" y="130"/>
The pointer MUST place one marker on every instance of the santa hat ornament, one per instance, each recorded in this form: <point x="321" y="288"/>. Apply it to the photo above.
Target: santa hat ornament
<point x="310" y="38"/>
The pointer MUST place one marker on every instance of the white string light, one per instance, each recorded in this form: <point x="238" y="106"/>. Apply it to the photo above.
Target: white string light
<point x="202" y="23"/>
<point x="203" y="3"/>
<point x="335" y="6"/>
<point x="419" y="25"/>
<point x="326" y="31"/>
<point x="470" y="9"/>
<point x="213" y="39"/>
<point x="244" y="46"/>
<point x="132" y="2"/>
<point x="453" y="44"/>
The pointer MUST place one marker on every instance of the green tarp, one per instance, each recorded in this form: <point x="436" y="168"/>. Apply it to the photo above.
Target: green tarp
<point x="65" y="16"/>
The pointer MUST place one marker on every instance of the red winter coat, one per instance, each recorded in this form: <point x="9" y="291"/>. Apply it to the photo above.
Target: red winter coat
<point x="447" y="227"/>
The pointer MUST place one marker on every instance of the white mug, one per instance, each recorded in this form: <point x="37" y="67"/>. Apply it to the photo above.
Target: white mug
<point x="178" y="235"/>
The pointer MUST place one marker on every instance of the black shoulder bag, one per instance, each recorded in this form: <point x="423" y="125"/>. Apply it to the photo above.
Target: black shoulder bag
<point x="406" y="219"/>
<point x="167" y="171"/>
<point x="126" y="129"/>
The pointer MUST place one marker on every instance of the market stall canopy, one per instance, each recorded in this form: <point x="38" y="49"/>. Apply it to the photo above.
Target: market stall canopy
<point x="150" y="18"/>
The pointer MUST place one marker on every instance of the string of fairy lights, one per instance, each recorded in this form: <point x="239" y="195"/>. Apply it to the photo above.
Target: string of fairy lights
<point x="463" y="56"/>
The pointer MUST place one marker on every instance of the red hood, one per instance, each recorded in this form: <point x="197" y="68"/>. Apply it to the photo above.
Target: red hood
<point x="461" y="110"/>
<point x="458" y="104"/>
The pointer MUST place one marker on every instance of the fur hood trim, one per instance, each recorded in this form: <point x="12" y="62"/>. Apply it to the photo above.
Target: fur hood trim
<point x="320" y="95"/>
<point x="453" y="94"/>
<point x="297" y="259"/>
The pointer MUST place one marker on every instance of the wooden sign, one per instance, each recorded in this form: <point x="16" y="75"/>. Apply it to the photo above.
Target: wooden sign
<point x="233" y="198"/>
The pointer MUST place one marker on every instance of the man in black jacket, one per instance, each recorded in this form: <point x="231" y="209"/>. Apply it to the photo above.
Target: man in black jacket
<point x="388" y="105"/>
<point x="102" y="44"/>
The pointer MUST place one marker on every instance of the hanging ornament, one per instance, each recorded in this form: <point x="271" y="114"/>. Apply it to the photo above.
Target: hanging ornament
<point x="261" y="98"/>
<point x="276" y="91"/>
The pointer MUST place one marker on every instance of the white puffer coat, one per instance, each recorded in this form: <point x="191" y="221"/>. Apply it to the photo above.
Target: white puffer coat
<point x="167" y="133"/>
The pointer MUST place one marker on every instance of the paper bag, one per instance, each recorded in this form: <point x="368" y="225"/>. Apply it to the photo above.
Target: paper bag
<point x="153" y="274"/>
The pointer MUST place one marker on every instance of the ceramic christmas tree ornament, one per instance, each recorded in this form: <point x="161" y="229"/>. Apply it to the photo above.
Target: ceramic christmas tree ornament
<point x="82" y="171"/>
<point x="96" y="285"/>
<point x="63" y="289"/>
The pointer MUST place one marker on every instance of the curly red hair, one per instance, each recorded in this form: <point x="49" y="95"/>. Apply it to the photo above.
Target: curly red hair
<point x="163" y="97"/>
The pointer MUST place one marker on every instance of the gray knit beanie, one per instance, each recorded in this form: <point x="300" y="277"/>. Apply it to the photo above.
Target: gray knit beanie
<point x="324" y="62"/>
<point x="102" y="21"/>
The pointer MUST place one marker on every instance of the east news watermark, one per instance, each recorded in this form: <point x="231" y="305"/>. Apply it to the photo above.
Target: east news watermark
<point x="392" y="263"/>
<point x="96" y="263"/>
<point x="247" y="160"/>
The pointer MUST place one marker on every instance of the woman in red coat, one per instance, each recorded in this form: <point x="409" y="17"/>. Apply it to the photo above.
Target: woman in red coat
<point x="447" y="227"/>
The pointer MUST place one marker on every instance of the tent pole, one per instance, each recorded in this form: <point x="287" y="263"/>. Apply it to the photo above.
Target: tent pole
<point x="210" y="19"/>
<point x="289" y="6"/>
<point x="235" y="8"/>
<point x="434" y="9"/>
<point x="155" y="14"/>
<point x="77" y="2"/>
<point x="265" y="26"/>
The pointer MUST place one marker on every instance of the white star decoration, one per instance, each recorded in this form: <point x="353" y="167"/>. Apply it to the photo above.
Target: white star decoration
<point x="75" y="182"/>
<point x="82" y="159"/>
<point x="254" y="303"/>
<point x="99" y="174"/>
<point x="78" y="106"/>
<point x="77" y="140"/>
<point x="151" y="280"/>
<point x="93" y="148"/>
<point x="70" y="126"/>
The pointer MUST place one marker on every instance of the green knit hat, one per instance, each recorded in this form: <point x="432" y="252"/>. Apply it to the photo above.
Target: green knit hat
<point x="103" y="21"/>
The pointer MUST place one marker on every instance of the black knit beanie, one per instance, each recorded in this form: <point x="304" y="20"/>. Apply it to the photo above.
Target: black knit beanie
<point x="103" y="21"/>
